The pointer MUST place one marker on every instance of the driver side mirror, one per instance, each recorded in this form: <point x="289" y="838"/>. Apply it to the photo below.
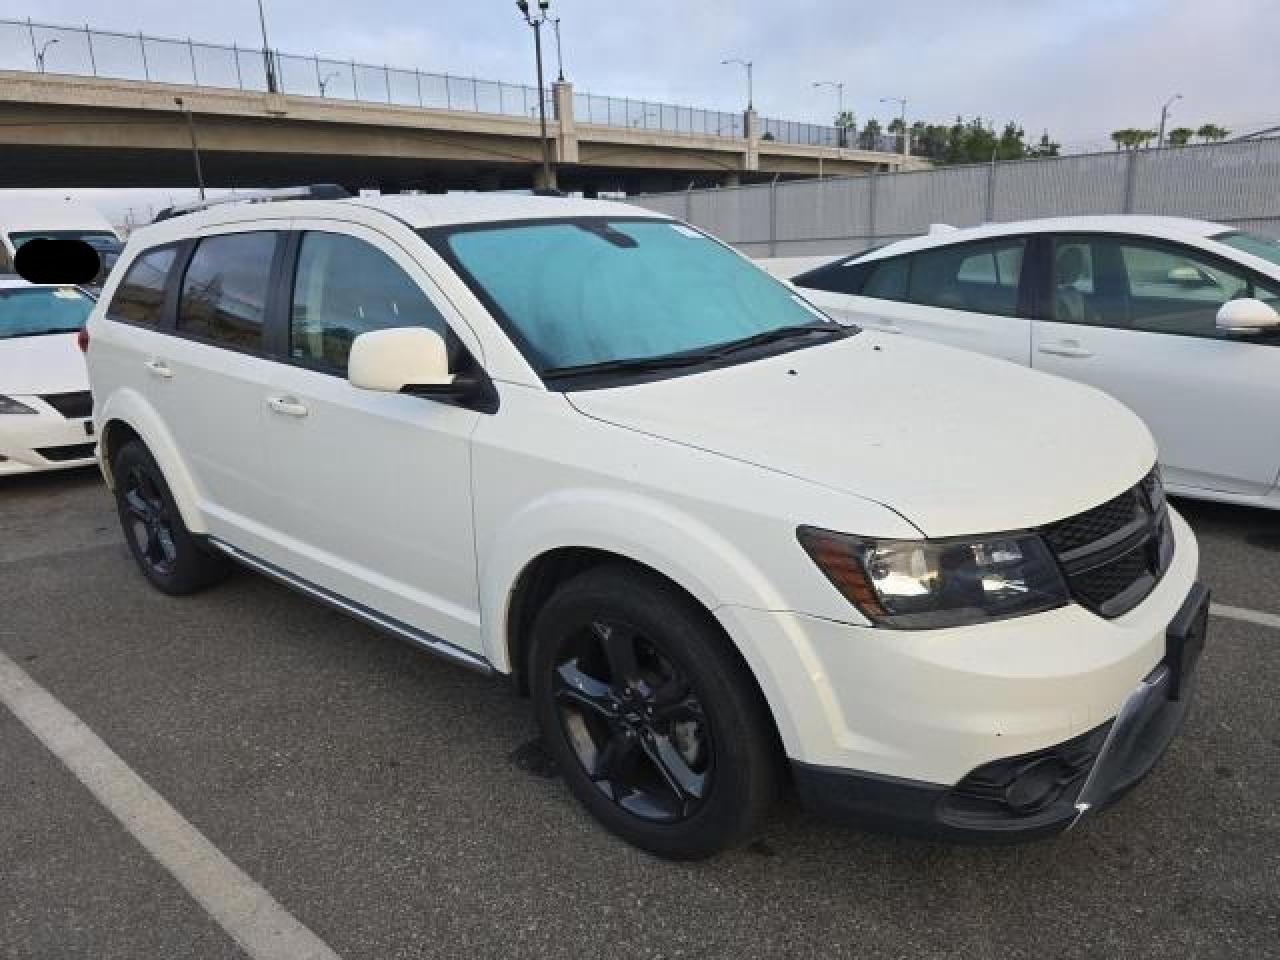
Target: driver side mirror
<point x="1247" y="317"/>
<point x="415" y="360"/>
<point x="391" y="360"/>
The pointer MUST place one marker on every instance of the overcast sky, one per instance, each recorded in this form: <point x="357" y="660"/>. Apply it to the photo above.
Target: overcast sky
<point x="1079" y="69"/>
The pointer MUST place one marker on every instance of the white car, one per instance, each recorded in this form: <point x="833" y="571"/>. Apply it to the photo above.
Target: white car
<point x="45" y="404"/>
<point x="1176" y="318"/>
<point x="717" y="536"/>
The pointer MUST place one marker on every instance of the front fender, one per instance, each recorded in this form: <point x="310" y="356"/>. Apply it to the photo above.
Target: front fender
<point x="131" y="408"/>
<point x="674" y="544"/>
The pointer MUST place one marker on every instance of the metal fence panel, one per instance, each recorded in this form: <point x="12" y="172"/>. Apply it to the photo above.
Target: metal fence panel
<point x="1065" y="186"/>
<point x="1226" y="181"/>
<point x="907" y="203"/>
<point x="826" y="210"/>
<point x="1232" y="183"/>
<point x="739" y="215"/>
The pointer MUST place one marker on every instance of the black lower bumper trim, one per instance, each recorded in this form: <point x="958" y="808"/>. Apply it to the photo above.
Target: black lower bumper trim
<point x="1036" y="794"/>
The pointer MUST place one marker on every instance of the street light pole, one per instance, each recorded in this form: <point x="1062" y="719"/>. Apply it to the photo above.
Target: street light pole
<point x="839" y="87"/>
<point x="1164" y="116"/>
<point x="559" y="55"/>
<point x="536" y="22"/>
<point x="749" y="67"/>
<point x="272" y="86"/>
<point x="44" y="49"/>
<point x="906" y="138"/>
<point x="195" y="148"/>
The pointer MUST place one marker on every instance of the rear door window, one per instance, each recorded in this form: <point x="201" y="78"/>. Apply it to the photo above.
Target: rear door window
<point x="224" y="291"/>
<point x="980" y="277"/>
<point x="139" y="299"/>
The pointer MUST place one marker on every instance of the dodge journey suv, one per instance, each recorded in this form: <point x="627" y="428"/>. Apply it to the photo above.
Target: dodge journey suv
<point x="723" y="542"/>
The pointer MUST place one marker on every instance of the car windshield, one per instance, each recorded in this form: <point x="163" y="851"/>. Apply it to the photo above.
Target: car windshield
<point x="32" y="312"/>
<point x="605" y="291"/>
<point x="96" y="238"/>
<point x="1259" y="246"/>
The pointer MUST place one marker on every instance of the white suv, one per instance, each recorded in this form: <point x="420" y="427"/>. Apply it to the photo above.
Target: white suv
<point x="720" y="539"/>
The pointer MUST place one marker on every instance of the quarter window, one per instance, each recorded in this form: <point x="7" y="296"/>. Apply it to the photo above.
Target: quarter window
<point x="344" y="287"/>
<point x="224" y="292"/>
<point x="140" y="296"/>
<point x="887" y="280"/>
<point x="979" y="277"/>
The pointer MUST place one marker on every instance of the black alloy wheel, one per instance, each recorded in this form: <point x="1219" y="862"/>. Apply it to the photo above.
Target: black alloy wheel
<point x="636" y="726"/>
<point x="149" y="524"/>
<point x="651" y="713"/>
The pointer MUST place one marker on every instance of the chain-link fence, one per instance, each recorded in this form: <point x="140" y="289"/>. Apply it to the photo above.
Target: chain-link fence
<point x="1237" y="184"/>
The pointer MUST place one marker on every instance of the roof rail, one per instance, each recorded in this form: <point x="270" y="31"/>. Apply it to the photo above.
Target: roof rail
<point x="316" y="191"/>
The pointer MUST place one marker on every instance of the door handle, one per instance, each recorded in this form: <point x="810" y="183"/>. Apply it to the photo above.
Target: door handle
<point x="288" y="406"/>
<point x="158" y="368"/>
<point x="1065" y="348"/>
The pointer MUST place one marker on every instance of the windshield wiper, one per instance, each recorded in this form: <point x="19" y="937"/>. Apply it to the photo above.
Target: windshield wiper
<point x="633" y="364"/>
<point x="779" y="334"/>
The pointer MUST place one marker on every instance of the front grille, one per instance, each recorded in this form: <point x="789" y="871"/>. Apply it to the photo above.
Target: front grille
<point x="73" y="406"/>
<point x="70" y="451"/>
<point x="1113" y="555"/>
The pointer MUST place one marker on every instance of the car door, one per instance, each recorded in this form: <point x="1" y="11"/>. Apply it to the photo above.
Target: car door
<point x="1136" y="317"/>
<point x="372" y="490"/>
<point x="971" y="295"/>
<point x="209" y="379"/>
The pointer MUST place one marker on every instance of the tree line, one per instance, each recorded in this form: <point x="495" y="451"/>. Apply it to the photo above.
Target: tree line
<point x="963" y="141"/>
<point x="1134" y="138"/>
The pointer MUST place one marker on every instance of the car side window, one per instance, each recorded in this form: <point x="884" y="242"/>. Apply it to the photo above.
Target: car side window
<point x="224" y="291"/>
<point x="1174" y="289"/>
<point x="981" y="277"/>
<point x="139" y="298"/>
<point x="343" y="287"/>
<point x="843" y="276"/>
<point x="887" y="279"/>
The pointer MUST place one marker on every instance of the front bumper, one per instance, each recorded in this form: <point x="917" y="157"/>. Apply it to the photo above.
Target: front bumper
<point x="1038" y="793"/>
<point x="45" y="440"/>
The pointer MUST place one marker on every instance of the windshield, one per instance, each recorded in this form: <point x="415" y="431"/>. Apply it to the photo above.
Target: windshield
<point x="96" y="238"/>
<point x="35" y="311"/>
<point x="601" y="290"/>
<point x="1259" y="246"/>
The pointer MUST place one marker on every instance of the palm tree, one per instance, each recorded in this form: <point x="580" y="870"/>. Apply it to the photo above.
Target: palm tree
<point x="846" y="124"/>
<point x="1212" y="133"/>
<point x="1180" y="136"/>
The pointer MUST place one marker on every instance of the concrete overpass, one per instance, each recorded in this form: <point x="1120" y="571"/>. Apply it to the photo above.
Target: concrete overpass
<point x="59" y="130"/>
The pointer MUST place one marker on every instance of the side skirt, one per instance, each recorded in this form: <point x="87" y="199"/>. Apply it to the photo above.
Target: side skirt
<point x="388" y="625"/>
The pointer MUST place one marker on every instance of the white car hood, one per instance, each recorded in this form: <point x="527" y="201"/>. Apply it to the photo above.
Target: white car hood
<point x="48" y="364"/>
<point x="955" y="442"/>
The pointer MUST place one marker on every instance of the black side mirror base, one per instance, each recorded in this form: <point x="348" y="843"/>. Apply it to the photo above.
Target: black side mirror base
<point x="471" y="392"/>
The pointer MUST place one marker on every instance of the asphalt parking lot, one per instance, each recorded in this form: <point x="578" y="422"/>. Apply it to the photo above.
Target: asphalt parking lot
<point x="389" y="801"/>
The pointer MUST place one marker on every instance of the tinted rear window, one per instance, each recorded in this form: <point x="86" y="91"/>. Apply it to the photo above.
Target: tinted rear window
<point x="140" y="296"/>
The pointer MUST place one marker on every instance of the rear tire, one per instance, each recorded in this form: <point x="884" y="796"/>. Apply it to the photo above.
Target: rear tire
<point x="165" y="551"/>
<point x="652" y="716"/>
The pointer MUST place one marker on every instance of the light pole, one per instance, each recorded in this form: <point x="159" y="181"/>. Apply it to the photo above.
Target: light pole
<point x="41" y="54"/>
<point x="536" y="21"/>
<point x="267" y="61"/>
<point x="1164" y="116"/>
<point x="559" y="56"/>
<point x="906" y="138"/>
<point x="749" y="67"/>
<point x="839" y="88"/>
<point x="324" y="81"/>
<point x="195" y="148"/>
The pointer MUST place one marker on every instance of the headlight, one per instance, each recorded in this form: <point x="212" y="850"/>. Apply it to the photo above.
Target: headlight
<point x="10" y="405"/>
<point x="920" y="584"/>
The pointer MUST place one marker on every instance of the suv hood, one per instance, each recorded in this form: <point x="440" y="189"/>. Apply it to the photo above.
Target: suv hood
<point x="46" y="364"/>
<point x="955" y="442"/>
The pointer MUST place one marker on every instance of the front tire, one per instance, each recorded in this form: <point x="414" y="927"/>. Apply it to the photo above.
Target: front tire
<point x="652" y="716"/>
<point x="165" y="551"/>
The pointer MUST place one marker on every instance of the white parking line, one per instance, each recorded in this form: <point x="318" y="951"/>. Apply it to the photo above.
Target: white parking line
<point x="247" y="912"/>
<point x="1245" y="614"/>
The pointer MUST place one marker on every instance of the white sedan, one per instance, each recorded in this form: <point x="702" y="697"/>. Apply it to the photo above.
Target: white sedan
<point x="1176" y="318"/>
<point x="44" y="387"/>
